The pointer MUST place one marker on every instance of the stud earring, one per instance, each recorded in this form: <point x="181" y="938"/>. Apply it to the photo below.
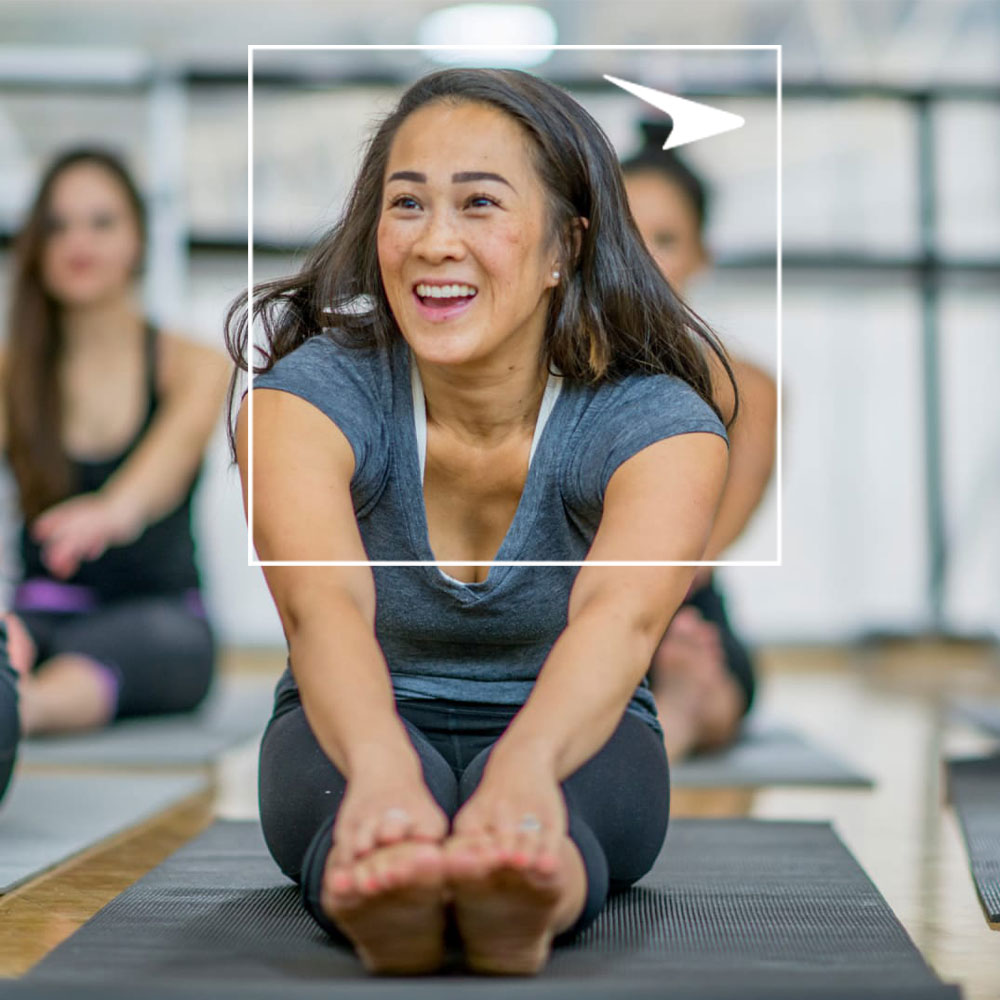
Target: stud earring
<point x="555" y="274"/>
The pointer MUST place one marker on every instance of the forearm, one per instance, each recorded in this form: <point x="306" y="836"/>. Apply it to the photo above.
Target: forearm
<point x="345" y="688"/>
<point x="745" y="486"/>
<point x="586" y="683"/>
<point x="752" y="443"/>
<point x="157" y="475"/>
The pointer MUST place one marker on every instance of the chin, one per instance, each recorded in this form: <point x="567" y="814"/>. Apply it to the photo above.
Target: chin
<point x="80" y="296"/>
<point x="444" y="350"/>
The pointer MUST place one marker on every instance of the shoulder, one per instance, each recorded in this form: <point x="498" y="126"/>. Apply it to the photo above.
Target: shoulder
<point x="622" y="418"/>
<point x="181" y="360"/>
<point x="323" y="360"/>
<point x="350" y="386"/>
<point x="664" y="399"/>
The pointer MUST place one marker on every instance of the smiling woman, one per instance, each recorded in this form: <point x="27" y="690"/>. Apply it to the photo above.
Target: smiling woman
<point x="477" y="746"/>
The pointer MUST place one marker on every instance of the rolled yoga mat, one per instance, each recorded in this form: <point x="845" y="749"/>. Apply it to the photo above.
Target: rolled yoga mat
<point x="235" y="711"/>
<point x="767" y="754"/>
<point x="733" y="908"/>
<point x="974" y="791"/>
<point x="46" y="819"/>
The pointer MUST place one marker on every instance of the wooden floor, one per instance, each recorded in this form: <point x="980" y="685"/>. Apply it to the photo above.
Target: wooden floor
<point x="883" y="708"/>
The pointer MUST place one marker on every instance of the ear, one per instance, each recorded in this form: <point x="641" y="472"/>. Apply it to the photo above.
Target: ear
<point x="576" y="238"/>
<point x="579" y="225"/>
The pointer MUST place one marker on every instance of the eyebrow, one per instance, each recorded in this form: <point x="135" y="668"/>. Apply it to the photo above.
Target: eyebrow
<point x="460" y="178"/>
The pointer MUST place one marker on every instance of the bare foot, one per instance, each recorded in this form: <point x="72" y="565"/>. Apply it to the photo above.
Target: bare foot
<point x="509" y="905"/>
<point x="391" y="906"/>
<point x="699" y="702"/>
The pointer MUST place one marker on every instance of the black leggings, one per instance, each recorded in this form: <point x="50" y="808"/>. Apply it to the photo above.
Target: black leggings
<point x="158" y="652"/>
<point x="10" y="726"/>
<point x="618" y="802"/>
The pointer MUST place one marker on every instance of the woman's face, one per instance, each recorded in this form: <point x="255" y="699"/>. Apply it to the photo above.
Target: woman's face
<point x="462" y="237"/>
<point x="669" y="225"/>
<point x="93" y="242"/>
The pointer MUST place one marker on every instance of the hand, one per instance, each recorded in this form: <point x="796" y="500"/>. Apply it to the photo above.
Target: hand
<point x="519" y="805"/>
<point x="21" y="649"/>
<point x="381" y="810"/>
<point x="80" y="528"/>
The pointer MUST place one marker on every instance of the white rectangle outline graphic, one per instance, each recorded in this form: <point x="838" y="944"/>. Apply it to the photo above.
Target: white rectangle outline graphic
<point x="251" y="561"/>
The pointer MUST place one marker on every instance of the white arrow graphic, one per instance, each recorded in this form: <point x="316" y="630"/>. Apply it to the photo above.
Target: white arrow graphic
<point x="692" y="121"/>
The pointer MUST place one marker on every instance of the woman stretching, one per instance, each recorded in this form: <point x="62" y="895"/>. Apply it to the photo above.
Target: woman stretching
<point x="105" y="420"/>
<point x="481" y="363"/>
<point x="703" y="674"/>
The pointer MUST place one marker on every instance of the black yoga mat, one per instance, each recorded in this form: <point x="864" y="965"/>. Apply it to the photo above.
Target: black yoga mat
<point x="766" y="754"/>
<point x="733" y="908"/>
<point x="974" y="791"/>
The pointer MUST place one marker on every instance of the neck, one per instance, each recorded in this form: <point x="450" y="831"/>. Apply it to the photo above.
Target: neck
<point x="99" y="325"/>
<point x="486" y="407"/>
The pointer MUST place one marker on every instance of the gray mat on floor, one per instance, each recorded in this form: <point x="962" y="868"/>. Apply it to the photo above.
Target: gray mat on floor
<point x="45" y="819"/>
<point x="984" y="713"/>
<point x="733" y="908"/>
<point x="767" y="754"/>
<point x="974" y="791"/>
<point x="234" y="712"/>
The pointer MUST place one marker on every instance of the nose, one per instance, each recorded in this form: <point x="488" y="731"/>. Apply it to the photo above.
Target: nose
<point x="440" y="238"/>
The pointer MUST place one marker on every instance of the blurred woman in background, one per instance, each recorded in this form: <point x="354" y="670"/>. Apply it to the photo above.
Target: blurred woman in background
<point x="702" y="674"/>
<point x="105" y="421"/>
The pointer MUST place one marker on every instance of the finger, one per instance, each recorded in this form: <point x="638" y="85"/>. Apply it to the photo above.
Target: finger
<point x="365" y="879"/>
<point x="94" y="550"/>
<point x="549" y="850"/>
<point x="56" y="561"/>
<point x="363" y="840"/>
<point x="505" y="841"/>
<point x="468" y="822"/>
<point x="393" y="826"/>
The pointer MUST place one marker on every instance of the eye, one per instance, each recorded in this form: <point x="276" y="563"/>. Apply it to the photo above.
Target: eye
<point x="404" y="201"/>
<point x="481" y="201"/>
<point x="103" y="220"/>
<point x="664" y="240"/>
<point x="54" y="224"/>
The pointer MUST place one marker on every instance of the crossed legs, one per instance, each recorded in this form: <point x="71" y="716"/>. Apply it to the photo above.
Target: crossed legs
<point x="142" y="656"/>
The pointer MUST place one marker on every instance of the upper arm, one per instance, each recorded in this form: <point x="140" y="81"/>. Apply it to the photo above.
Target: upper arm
<point x="758" y="394"/>
<point x="658" y="506"/>
<point x="757" y="421"/>
<point x="302" y="504"/>
<point x="191" y="381"/>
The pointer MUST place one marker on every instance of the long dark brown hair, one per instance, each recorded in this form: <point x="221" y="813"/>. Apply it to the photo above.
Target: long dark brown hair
<point x="612" y="314"/>
<point x="32" y="399"/>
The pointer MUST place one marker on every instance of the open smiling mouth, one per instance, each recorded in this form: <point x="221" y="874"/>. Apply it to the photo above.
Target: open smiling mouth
<point x="442" y="298"/>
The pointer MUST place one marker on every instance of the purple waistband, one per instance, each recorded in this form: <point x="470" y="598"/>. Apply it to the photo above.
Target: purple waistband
<point x="40" y="594"/>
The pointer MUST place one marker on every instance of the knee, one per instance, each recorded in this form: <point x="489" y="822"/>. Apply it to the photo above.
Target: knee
<point x="299" y="791"/>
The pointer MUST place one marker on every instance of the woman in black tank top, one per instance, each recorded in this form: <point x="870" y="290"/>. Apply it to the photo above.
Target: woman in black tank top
<point x="106" y="421"/>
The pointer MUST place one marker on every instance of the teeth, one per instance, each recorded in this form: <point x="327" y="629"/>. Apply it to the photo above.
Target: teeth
<point x="445" y="291"/>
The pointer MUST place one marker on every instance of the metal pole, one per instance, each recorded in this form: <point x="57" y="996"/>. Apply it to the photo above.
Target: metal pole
<point x="936" y="534"/>
<point x="167" y="253"/>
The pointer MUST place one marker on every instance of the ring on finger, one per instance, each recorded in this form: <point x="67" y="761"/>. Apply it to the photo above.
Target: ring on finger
<point x="530" y="823"/>
<point x="396" y="815"/>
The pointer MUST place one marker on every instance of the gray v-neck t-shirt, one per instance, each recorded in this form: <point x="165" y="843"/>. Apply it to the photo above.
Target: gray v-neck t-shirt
<point x="480" y="642"/>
